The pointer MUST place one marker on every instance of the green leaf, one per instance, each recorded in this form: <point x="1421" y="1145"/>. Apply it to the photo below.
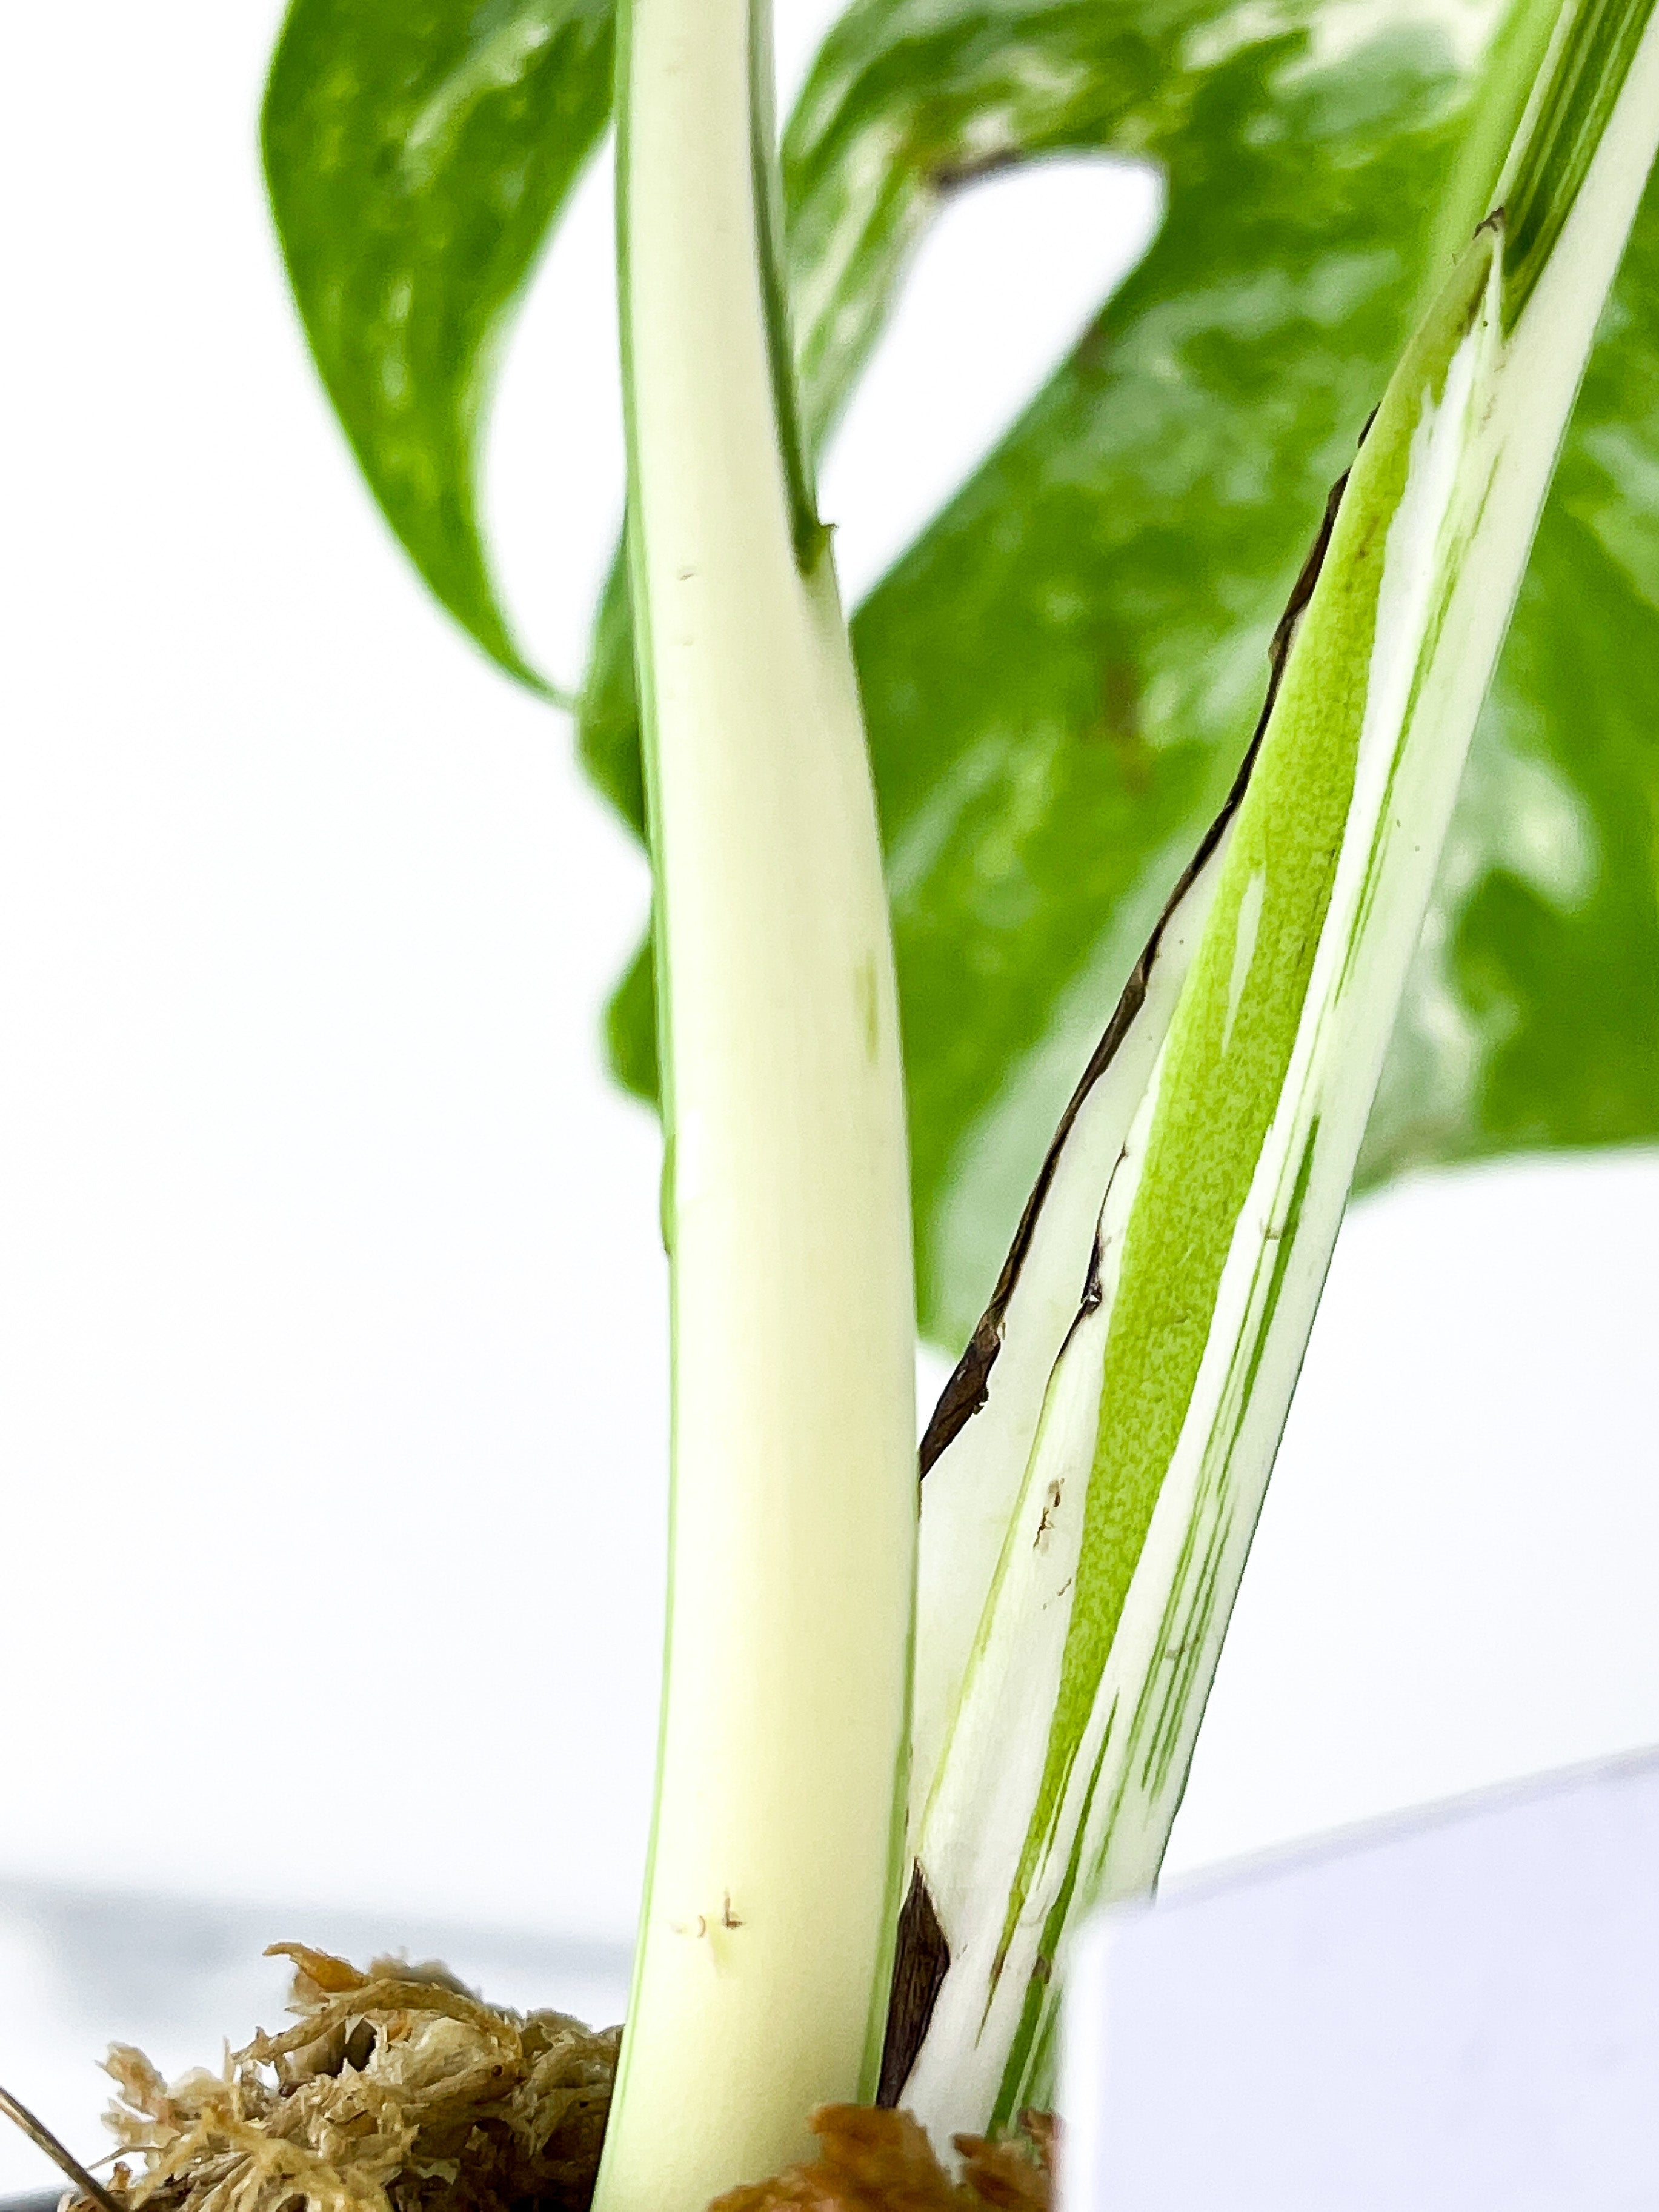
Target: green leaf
<point x="1533" y="1018"/>
<point x="417" y="155"/>
<point x="1058" y="677"/>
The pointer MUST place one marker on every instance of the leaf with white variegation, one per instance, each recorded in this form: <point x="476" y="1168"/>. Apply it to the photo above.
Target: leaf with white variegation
<point x="1057" y="676"/>
<point x="417" y="153"/>
<point x="1130" y="1434"/>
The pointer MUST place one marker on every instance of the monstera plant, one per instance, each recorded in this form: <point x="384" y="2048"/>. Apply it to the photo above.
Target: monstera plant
<point x="1190" y="820"/>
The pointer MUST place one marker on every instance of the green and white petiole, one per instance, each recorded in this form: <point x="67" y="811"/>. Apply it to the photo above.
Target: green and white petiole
<point x="767" y="1931"/>
<point x="1103" y="1452"/>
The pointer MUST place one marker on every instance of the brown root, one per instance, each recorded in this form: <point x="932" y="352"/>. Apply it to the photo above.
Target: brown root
<point x="882" y="2161"/>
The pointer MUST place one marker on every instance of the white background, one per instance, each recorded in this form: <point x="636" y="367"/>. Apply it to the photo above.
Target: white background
<point x="331" y="1307"/>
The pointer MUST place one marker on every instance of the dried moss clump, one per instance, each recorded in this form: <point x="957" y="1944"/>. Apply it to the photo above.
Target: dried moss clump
<point x="875" y="2162"/>
<point x="397" y="2091"/>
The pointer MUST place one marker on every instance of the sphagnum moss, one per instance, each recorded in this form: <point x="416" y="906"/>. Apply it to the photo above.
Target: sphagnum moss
<point x="397" y="2089"/>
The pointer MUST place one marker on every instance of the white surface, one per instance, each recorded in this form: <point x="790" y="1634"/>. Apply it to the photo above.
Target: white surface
<point x="1003" y="287"/>
<point x="1457" y="2016"/>
<point x="322" y="1237"/>
<point x="332" y="1393"/>
<point x="1003" y="284"/>
<point x="555" y="462"/>
<point x="1452" y="1581"/>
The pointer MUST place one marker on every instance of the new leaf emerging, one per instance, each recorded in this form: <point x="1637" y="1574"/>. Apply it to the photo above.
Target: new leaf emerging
<point x="1106" y="1445"/>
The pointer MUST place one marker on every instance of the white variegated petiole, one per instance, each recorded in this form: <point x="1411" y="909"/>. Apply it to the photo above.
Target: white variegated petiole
<point x="1103" y="1450"/>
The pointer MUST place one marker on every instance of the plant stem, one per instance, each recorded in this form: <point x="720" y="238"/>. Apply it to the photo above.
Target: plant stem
<point x="1134" y="1435"/>
<point x="767" y="1928"/>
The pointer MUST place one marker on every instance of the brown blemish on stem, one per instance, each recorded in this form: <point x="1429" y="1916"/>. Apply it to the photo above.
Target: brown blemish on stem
<point x="921" y="1963"/>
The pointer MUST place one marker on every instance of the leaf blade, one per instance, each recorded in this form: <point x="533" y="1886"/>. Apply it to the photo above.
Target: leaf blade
<point x="416" y="161"/>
